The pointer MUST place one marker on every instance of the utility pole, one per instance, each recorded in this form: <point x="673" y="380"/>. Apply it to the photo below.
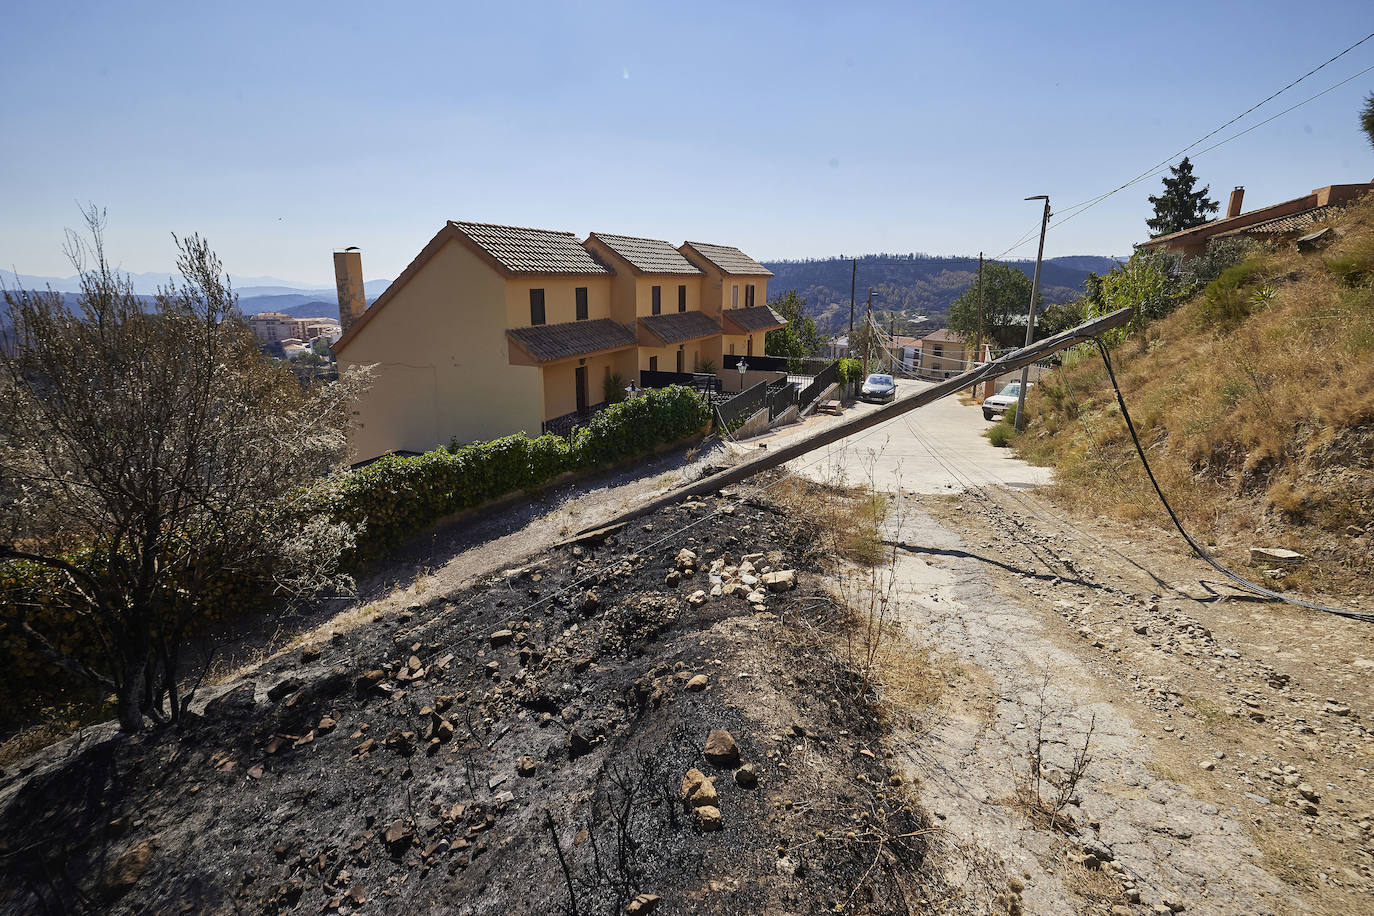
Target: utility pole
<point x="1030" y="319"/>
<point x="978" y="347"/>
<point x="853" y="276"/>
<point x="868" y="330"/>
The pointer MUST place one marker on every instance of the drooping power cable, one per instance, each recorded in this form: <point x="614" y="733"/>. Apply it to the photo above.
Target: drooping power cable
<point x="1198" y="549"/>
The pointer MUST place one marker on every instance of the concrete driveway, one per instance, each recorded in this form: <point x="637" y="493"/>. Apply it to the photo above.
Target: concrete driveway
<point x="939" y="448"/>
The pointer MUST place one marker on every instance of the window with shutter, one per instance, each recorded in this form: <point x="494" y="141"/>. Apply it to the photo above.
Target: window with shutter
<point x="658" y="300"/>
<point x="582" y="303"/>
<point x="682" y="298"/>
<point x="536" y="306"/>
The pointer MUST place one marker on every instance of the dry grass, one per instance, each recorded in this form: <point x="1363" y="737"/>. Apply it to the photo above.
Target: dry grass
<point x="1260" y="431"/>
<point x="899" y="678"/>
<point x="56" y="725"/>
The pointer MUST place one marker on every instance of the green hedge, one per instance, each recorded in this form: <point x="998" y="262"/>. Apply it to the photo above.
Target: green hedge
<point x="393" y="498"/>
<point x="389" y="500"/>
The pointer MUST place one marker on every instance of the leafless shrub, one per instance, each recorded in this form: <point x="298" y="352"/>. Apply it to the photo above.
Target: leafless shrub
<point x="148" y="458"/>
<point x="1046" y="789"/>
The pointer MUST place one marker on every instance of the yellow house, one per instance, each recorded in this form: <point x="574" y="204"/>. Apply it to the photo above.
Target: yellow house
<point x="489" y="331"/>
<point x="659" y="292"/>
<point x="734" y="289"/>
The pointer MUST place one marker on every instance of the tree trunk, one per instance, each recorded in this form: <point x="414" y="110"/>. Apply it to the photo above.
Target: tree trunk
<point x="129" y="698"/>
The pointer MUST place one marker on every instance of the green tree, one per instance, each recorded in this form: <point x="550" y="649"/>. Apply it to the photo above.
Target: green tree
<point x="1367" y="118"/>
<point x="149" y="456"/>
<point x="1060" y="317"/>
<point x="1006" y="298"/>
<point x="800" y="338"/>
<point x="1180" y="207"/>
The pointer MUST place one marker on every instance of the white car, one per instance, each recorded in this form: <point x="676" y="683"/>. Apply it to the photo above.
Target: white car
<point x="1003" y="400"/>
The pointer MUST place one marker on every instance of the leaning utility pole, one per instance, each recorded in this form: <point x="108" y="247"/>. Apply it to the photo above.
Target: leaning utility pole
<point x="1030" y="319"/>
<point x="978" y="346"/>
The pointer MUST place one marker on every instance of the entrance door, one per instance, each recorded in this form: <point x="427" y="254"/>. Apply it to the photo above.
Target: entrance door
<point x="679" y="360"/>
<point x="750" y="346"/>
<point x="580" y="381"/>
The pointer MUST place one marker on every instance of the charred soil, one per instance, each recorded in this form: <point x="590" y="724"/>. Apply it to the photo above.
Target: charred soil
<point x="523" y="745"/>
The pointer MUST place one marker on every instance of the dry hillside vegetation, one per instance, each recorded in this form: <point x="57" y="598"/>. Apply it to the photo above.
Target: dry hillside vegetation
<point x="1255" y="402"/>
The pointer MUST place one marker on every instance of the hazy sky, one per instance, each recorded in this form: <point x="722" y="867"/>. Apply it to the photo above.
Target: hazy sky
<point x="283" y="130"/>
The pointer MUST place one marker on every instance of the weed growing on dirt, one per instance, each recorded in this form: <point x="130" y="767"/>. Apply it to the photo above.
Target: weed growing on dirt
<point x="1049" y="782"/>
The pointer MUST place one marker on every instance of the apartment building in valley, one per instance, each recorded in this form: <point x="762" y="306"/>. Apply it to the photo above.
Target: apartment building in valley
<point x="493" y="330"/>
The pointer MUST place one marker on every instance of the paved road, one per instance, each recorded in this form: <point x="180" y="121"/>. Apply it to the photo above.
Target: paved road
<point x="939" y="448"/>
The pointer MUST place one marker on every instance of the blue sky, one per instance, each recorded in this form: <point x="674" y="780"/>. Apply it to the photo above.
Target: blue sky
<point x="281" y="131"/>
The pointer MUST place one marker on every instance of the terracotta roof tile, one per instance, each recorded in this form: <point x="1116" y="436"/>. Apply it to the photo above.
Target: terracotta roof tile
<point x="650" y="256"/>
<point x="730" y="260"/>
<point x="677" y="327"/>
<point x="944" y="335"/>
<point x="532" y="250"/>
<point x="547" y="342"/>
<point x="1294" y="222"/>
<point x="758" y="318"/>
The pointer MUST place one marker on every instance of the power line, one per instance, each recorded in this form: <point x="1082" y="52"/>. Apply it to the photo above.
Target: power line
<point x="1158" y="169"/>
<point x="1083" y="206"/>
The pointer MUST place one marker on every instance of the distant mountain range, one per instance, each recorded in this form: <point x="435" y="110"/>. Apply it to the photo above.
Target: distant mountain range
<point x="907" y="286"/>
<point x="911" y="285"/>
<point x="256" y="294"/>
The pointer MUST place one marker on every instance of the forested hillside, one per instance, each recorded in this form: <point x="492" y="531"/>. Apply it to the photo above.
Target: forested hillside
<point x="911" y="284"/>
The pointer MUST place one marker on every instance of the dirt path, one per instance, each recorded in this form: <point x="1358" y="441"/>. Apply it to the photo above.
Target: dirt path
<point x="1231" y="764"/>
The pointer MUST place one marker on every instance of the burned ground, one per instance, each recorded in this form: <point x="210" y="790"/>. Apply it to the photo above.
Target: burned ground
<point x="427" y="761"/>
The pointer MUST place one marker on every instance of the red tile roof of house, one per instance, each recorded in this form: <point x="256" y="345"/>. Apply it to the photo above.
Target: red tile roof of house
<point x="650" y="256"/>
<point x="758" y="318"/>
<point x="548" y="342"/>
<point x="729" y="260"/>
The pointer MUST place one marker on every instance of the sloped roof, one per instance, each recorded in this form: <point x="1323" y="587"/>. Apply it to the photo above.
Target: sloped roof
<point x="548" y="342"/>
<point x="730" y="260"/>
<point x="944" y="335"/>
<point x="521" y="250"/>
<point x="1294" y="222"/>
<point x="650" y="256"/>
<point x="677" y="327"/>
<point x="758" y="318"/>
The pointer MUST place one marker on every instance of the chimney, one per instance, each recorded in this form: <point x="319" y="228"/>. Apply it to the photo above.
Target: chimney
<point x="1231" y="210"/>
<point x="348" y="277"/>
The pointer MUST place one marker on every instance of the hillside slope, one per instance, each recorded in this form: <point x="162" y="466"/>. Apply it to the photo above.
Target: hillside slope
<point x="1255" y="401"/>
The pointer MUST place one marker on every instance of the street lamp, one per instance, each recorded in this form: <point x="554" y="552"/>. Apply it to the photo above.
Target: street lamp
<point x="742" y="367"/>
<point x="1030" y="320"/>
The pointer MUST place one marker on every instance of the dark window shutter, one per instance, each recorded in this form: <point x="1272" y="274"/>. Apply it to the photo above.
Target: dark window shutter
<point x="536" y="306"/>
<point x="658" y="300"/>
<point x="582" y="303"/>
<point x="749" y="296"/>
<point x="682" y="297"/>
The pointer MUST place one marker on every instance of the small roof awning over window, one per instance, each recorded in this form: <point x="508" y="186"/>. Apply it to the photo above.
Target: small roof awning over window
<point x="550" y="343"/>
<point x="746" y="321"/>
<point x="675" y="328"/>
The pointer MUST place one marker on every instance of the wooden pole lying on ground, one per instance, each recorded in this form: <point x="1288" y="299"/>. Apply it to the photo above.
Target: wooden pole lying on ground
<point x="771" y="459"/>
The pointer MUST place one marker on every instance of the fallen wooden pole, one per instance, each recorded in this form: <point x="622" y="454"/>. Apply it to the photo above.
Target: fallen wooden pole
<point x="771" y="459"/>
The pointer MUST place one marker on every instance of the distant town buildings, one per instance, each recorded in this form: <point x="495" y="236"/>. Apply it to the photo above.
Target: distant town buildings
<point x="278" y="327"/>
